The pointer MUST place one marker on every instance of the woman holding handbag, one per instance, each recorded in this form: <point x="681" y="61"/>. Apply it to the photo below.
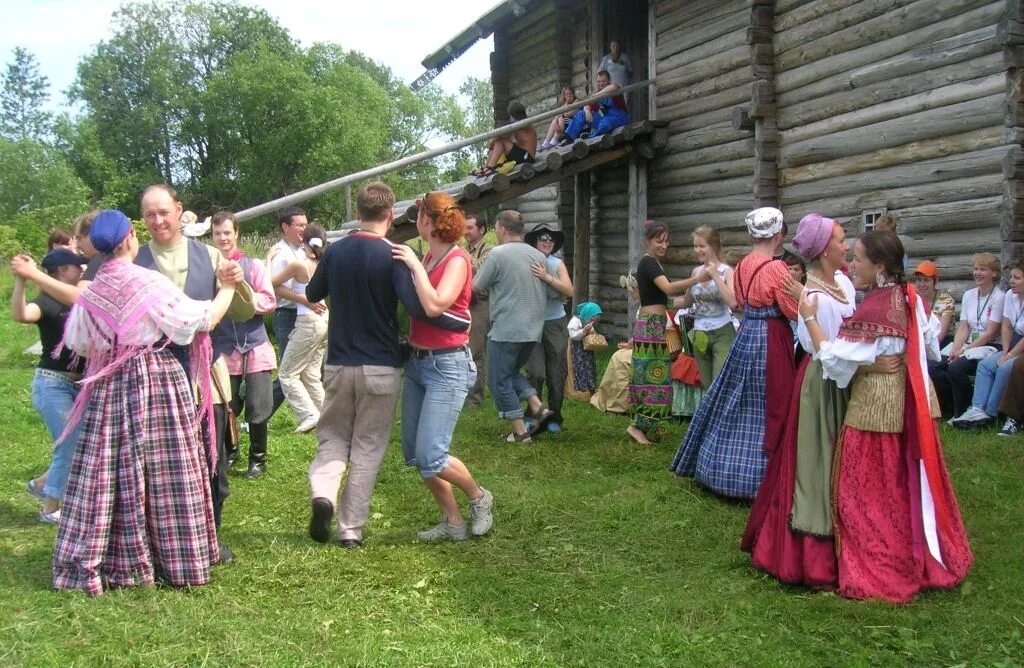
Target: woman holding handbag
<point x="687" y="379"/>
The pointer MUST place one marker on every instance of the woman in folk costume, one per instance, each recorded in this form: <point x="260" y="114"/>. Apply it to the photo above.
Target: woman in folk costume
<point x="726" y="448"/>
<point x="650" y="388"/>
<point x="789" y="532"/>
<point x="897" y="524"/>
<point x="137" y="506"/>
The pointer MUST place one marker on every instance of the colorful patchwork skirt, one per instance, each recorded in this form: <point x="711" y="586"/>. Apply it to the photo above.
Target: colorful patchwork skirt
<point x="650" y="391"/>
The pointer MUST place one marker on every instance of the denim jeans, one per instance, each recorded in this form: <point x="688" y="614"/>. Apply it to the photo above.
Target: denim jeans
<point x="505" y="361"/>
<point x="283" y="323"/>
<point x="990" y="382"/>
<point x="432" y="396"/>
<point x="53" y="395"/>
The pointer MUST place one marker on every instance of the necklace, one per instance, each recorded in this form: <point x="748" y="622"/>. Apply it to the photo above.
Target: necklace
<point x="834" y="290"/>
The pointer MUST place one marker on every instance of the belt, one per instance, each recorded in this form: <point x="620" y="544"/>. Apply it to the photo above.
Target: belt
<point x="63" y="375"/>
<point x="421" y="352"/>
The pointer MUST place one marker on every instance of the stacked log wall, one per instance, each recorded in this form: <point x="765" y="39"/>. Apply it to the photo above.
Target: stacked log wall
<point x="533" y="75"/>
<point x="895" y="104"/>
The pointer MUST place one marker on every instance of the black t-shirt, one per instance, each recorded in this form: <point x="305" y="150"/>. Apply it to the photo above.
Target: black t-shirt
<point x="647" y="270"/>
<point x="51" y="331"/>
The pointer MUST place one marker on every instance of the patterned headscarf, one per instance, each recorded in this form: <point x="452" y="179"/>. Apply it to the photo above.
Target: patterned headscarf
<point x="764" y="223"/>
<point x="588" y="310"/>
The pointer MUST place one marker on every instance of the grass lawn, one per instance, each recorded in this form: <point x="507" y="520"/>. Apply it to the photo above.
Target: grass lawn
<point x="598" y="557"/>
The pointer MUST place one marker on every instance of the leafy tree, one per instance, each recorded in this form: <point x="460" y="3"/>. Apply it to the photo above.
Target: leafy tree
<point x="22" y="98"/>
<point x="38" y="191"/>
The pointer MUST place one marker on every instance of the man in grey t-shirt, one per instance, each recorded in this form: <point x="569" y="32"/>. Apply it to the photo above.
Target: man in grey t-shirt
<point x="518" y="299"/>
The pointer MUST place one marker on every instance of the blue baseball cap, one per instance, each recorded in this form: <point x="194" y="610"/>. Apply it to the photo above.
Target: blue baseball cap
<point x="59" y="257"/>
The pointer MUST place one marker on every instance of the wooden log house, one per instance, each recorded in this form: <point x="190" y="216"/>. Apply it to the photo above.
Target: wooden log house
<point x="852" y="108"/>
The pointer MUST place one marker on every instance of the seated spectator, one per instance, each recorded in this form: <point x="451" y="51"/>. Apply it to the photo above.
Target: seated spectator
<point x="507" y="151"/>
<point x="612" y="394"/>
<point x="1012" y="403"/>
<point x="994" y="370"/>
<point x="600" y="117"/>
<point x="936" y="302"/>
<point x="559" y="123"/>
<point x="617" y="65"/>
<point x="977" y="336"/>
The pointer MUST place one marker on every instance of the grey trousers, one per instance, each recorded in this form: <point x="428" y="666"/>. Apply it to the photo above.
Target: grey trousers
<point x="549" y="363"/>
<point x="481" y="313"/>
<point x="354" y="430"/>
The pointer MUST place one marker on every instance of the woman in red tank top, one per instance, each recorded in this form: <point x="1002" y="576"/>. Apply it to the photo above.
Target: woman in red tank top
<point x="440" y="371"/>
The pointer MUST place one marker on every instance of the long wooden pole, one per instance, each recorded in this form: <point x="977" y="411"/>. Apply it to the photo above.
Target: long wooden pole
<point x="309" y="193"/>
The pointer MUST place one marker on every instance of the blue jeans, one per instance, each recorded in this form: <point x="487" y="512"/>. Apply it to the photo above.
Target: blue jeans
<point x="432" y="396"/>
<point x="53" y="395"/>
<point x="505" y="361"/>
<point x="603" y="123"/>
<point x="283" y="323"/>
<point x="990" y="382"/>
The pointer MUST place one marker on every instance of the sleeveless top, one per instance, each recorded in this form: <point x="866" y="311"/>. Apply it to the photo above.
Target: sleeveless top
<point x="425" y="335"/>
<point x="710" y="311"/>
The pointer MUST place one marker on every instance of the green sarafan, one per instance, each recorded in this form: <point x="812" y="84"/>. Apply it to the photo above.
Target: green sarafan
<point x="598" y="557"/>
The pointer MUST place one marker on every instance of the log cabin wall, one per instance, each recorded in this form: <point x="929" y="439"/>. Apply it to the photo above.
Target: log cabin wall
<point x="534" y="69"/>
<point x="895" y="104"/>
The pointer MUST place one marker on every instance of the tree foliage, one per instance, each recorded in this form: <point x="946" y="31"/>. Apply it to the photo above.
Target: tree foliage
<point x="23" y="95"/>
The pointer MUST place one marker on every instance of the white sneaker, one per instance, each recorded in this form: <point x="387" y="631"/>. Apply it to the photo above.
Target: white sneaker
<point x="307" y="425"/>
<point x="443" y="531"/>
<point x="480" y="512"/>
<point x="972" y="414"/>
<point x="49" y="518"/>
<point x="1010" y="427"/>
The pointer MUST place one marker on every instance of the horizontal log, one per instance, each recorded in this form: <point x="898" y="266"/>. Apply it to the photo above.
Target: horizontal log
<point x="710" y="172"/>
<point x="948" y="216"/>
<point x="787" y="19"/>
<point x="671" y="42"/>
<point x="898" y="39"/>
<point x="692" y="13"/>
<point x="665" y="189"/>
<point x="895" y="155"/>
<point x="939" y="99"/>
<point x="723" y="99"/>
<point x="851" y="206"/>
<point x="831" y="17"/>
<point x="957" y="166"/>
<point x="744" y="148"/>
<point x="684" y="123"/>
<point x="725" y="61"/>
<point x="709" y="135"/>
<point x="674" y="93"/>
<point x="941" y="242"/>
<point x="937" y="81"/>
<point x="947" y="120"/>
<point x="897" y="22"/>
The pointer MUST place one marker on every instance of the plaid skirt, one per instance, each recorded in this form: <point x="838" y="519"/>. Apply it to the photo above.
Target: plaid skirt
<point x="725" y="447"/>
<point x="137" y="506"/>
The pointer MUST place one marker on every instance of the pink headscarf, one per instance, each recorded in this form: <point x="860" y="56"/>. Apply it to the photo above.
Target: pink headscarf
<point x="812" y="235"/>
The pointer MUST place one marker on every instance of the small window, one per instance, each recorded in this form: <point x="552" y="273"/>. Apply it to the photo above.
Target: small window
<point x="868" y="217"/>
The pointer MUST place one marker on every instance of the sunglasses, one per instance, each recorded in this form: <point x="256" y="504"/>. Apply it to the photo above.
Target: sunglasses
<point x="545" y="238"/>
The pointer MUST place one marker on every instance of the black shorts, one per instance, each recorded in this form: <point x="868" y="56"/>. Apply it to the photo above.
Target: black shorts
<point x="518" y="155"/>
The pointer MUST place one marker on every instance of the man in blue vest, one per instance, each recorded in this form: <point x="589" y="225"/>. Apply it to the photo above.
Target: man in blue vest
<point x="193" y="267"/>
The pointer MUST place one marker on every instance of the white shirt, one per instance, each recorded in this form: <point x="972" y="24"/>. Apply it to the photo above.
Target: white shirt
<point x="978" y="315"/>
<point x="710" y="312"/>
<point x="841" y="358"/>
<point x="285" y="255"/>
<point x="1013" y="310"/>
<point x="831" y="312"/>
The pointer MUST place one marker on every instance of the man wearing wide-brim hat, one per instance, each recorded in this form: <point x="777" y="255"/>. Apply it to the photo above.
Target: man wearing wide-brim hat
<point x="549" y="361"/>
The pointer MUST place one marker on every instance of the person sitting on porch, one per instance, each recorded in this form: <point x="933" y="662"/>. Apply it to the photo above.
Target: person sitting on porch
<point x="560" y="122"/>
<point x="600" y="117"/>
<point x="515" y="148"/>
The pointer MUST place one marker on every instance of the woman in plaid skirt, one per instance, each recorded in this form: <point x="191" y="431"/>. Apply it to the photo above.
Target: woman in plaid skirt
<point x="137" y="506"/>
<point x="726" y="447"/>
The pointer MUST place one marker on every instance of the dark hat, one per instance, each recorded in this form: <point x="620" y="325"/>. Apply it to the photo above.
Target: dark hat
<point x="534" y="235"/>
<point x="108" y="230"/>
<point x="61" y="256"/>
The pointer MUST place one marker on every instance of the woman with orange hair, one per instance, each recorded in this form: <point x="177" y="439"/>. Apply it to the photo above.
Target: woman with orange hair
<point x="440" y="371"/>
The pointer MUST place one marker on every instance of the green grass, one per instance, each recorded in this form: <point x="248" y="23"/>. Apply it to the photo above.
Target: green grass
<point x="598" y="557"/>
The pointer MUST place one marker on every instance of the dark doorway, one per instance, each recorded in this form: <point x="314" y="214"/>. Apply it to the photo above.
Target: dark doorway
<point x="626" y="22"/>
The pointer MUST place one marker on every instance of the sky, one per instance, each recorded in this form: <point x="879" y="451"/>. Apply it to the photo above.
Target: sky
<point x="398" y="33"/>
